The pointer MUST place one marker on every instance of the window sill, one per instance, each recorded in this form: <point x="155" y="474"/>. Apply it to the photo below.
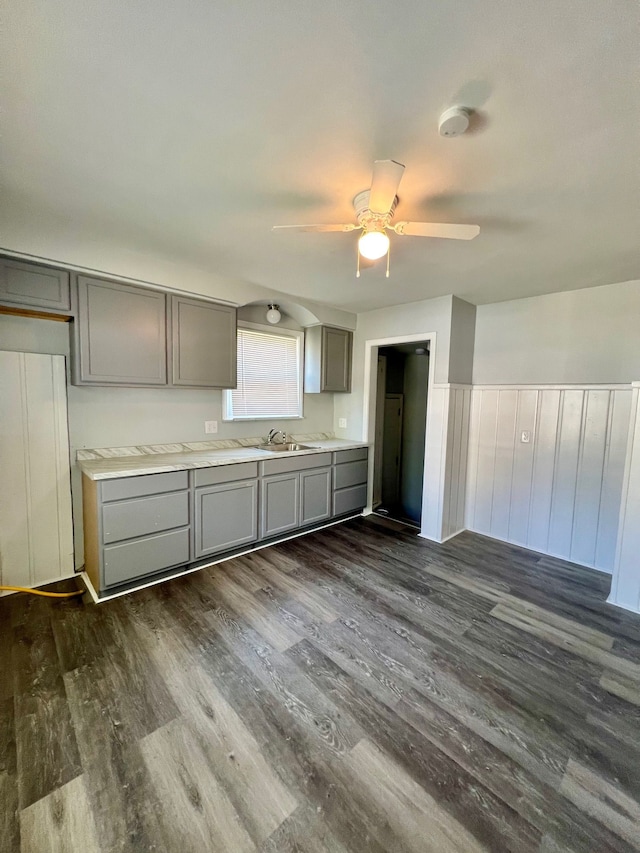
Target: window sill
<point x="264" y="418"/>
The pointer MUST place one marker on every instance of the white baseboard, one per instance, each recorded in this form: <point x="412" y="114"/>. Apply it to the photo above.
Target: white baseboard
<point x="446" y="538"/>
<point x="626" y="607"/>
<point x="542" y="553"/>
<point x="181" y="572"/>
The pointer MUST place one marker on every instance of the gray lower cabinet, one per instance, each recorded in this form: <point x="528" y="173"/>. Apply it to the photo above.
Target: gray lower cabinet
<point x="315" y="495"/>
<point x="120" y="334"/>
<point x="139" y="526"/>
<point x="135" y="526"/>
<point x="34" y="288"/>
<point x="295" y="492"/>
<point x="279" y="504"/>
<point x="203" y="343"/>
<point x="350" y="474"/>
<point x="327" y="359"/>
<point x="226" y="516"/>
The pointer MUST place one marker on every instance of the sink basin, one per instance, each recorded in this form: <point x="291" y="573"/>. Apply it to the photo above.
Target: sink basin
<point x="282" y="448"/>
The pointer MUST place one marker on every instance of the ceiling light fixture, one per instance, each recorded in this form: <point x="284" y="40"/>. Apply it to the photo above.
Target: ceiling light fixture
<point x="273" y="315"/>
<point x="373" y="245"/>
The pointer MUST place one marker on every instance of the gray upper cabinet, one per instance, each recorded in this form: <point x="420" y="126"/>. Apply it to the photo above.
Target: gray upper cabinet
<point x="34" y="288"/>
<point x="327" y="359"/>
<point x="120" y="335"/>
<point x="203" y="349"/>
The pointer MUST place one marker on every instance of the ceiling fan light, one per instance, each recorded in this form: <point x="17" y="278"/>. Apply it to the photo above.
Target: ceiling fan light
<point x="373" y="245"/>
<point x="273" y="316"/>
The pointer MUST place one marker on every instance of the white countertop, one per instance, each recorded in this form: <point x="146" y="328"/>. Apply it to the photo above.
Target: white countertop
<point x="157" y="463"/>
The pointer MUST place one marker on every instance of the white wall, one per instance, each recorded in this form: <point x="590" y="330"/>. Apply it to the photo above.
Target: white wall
<point x="560" y="493"/>
<point x="415" y="318"/>
<point x="116" y="417"/>
<point x="447" y="419"/>
<point x="582" y="337"/>
<point x="462" y="345"/>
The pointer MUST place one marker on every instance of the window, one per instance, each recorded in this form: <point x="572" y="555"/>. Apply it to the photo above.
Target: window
<point x="269" y="376"/>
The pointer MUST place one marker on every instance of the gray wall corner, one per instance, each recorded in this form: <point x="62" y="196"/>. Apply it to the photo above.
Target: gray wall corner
<point x="461" y="349"/>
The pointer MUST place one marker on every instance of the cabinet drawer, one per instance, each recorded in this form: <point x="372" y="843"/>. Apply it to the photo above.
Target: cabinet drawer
<point x="295" y="463"/>
<point x="132" y="560"/>
<point x="147" y="484"/>
<point x="350" y="474"/>
<point x="226" y="516"/>
<point x="225" y="473"/>
<point x="348" y="500"/>
<point x="127" y="519"/>
<point x="354" y="455"/>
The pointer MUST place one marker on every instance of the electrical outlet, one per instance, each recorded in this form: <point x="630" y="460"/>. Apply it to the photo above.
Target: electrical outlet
<point x="210" y="427"/>
<point x="342" y="423"/>
<point x="525" y="436"/>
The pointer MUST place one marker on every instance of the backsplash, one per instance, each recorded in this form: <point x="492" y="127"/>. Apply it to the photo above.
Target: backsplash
<point x="186" y="447"/>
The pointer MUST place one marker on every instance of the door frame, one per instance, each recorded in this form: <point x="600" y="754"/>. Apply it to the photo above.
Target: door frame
<point x="369" y="409"/>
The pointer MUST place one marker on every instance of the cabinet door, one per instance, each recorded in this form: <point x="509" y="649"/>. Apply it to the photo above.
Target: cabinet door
<point x="32" y="286"/>
<point x="121" y="336"/>
<point x="336" y="359"/>
<point x="203" y="343"/>
<point x="315" y="495"/>
<point x="226" y="516"/>
<point x="279" y="510"/>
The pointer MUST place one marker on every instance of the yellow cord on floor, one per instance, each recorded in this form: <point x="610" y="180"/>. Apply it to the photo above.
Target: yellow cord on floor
<point x="46" y="594"/>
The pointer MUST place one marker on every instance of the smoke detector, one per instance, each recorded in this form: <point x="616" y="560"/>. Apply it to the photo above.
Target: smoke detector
<point x="454" y="121"/>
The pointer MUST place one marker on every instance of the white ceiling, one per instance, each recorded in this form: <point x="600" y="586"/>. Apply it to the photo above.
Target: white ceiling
<point x="188" y="129"/>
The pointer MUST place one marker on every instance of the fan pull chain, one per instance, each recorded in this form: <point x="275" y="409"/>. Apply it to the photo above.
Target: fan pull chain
<point x="358" y="263"/>
<point x="388" y="257"/>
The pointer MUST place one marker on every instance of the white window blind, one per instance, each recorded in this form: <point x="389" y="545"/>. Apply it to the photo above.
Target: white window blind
<point x="269" y="377"/>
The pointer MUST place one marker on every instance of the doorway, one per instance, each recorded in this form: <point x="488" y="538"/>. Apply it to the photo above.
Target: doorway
<point x="402" y="383"/>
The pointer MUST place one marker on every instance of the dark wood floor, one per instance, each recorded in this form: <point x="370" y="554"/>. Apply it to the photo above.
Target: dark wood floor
<point x="359" y="689"/>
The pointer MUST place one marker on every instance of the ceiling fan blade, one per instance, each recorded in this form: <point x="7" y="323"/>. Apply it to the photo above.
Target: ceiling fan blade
<point x="348" y="227"/>
<point x="385" y="181"/>
<point x="437" y="229"/>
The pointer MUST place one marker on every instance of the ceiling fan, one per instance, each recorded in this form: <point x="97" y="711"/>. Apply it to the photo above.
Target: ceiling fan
<point x="374" y="210"/>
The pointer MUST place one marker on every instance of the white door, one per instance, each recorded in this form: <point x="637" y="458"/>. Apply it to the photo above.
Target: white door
<point x="36" y="533"/>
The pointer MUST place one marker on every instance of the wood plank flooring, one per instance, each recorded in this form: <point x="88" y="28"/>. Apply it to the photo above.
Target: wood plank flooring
<point x="357" y="690"/>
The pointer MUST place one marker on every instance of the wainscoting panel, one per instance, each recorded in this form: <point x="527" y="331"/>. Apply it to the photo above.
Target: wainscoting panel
<point x="36" y="541"/>
<point x="433" y="489"/>
<point x="446" y="458"/>
<point x="560" y="492"/>
<point x="456" y="460"/>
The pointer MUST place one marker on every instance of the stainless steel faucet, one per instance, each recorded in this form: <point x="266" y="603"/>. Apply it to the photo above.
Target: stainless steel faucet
<point x="273" y="434"/>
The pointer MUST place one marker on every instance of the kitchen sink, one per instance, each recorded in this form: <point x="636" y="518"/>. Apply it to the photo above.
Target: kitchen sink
<point x="281" y="448"/>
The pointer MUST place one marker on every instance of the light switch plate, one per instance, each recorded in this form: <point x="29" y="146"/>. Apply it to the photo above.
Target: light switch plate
<point x="525" y="436"/>
<point x="342" y="423"/>
<point x="210" y="427"/>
